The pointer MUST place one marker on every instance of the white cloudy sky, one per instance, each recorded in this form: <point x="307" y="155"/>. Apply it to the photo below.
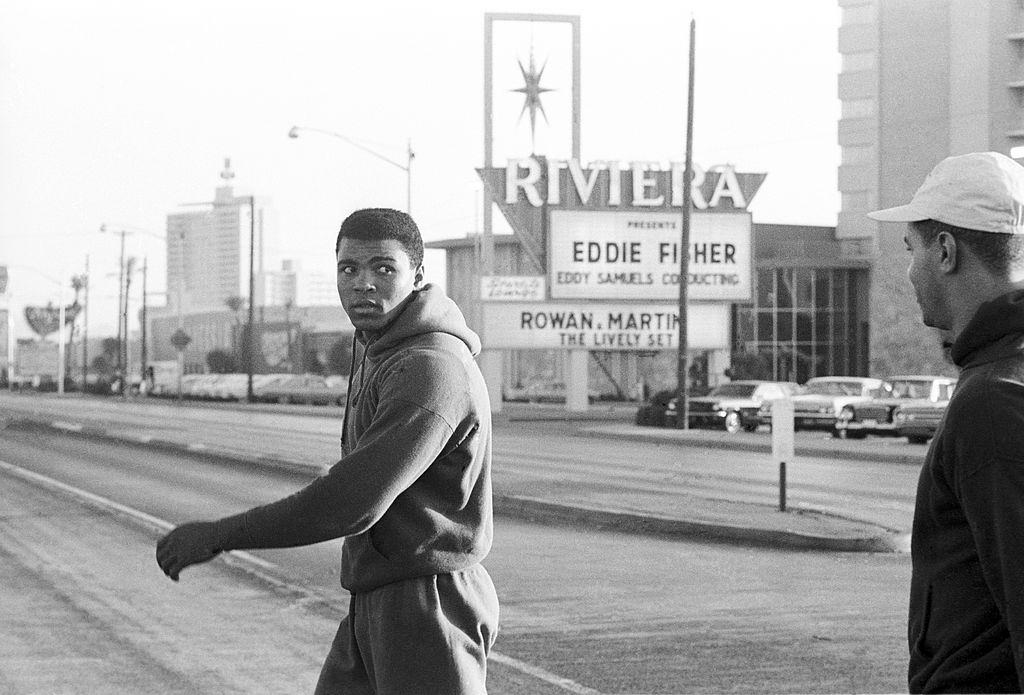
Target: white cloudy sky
<point x="117" y="112"/>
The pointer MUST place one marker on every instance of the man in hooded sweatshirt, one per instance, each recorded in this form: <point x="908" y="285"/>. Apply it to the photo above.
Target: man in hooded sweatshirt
<point x="966" y="240"/>
<point x="411" y="494"/>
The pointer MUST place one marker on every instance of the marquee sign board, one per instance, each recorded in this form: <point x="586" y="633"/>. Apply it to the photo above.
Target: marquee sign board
<point x="636" y="255"/>
<point x="528" y="189"/>
<point x="603" y="326"/>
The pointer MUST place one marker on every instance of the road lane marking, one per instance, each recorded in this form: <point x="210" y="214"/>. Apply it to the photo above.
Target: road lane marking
<point x="267" y="571"/>
<point x="566" y="684"/>
<point x="104" y="503"/>
<point x="70" y="426"/>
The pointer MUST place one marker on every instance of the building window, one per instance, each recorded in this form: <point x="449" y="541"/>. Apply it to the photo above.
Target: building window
<point x="858" y="154"/>
<point x="858" y="108"/>
<point x="802" y="322"/>
<point x="855" y="62"/>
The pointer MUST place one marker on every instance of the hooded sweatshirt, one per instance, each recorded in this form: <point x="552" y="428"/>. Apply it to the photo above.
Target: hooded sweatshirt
<point x="966" y="623"/>
<point x="412" y="491"/>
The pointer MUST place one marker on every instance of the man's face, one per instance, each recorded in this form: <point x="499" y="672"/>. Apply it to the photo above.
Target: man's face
<point x="374" y="279"/>
<point x="925" y="276"/>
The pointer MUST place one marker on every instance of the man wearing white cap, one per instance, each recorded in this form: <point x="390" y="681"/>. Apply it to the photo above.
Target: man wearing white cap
<point x="966" y="240"/>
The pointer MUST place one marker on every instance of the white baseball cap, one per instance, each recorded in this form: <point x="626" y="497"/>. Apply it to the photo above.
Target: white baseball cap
<point x="981" y="190"/>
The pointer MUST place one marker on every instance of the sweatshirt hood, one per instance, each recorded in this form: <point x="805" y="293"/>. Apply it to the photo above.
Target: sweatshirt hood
<point x="998" y="321"/>
<point x="429" y="310"/>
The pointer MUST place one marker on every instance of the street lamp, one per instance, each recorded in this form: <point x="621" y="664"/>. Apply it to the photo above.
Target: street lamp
<point x="407" y="167"/>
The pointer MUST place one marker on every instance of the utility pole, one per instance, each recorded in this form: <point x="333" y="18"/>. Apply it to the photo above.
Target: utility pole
<point x="252" y="294"/>
<point x="85" y="329"/>
<point x="120" y="317"/>
<point x="683" y="365"/>
<point x="122" y="303"/>
<point x="125" y="376"/>
<point x="144" y="356"/>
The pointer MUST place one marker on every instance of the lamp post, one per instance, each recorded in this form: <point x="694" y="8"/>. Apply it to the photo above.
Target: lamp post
<point x="407" y="167"/>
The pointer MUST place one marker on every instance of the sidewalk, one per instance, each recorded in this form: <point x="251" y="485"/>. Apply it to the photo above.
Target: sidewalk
<point x="592" y="503"/>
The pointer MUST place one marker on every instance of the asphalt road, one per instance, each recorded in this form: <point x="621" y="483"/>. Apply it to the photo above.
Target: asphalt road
<point x="613" y="613"/>
<point x="549" y="454"/>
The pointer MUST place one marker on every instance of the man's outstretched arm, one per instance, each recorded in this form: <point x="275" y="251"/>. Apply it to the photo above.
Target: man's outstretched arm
<point x="348" y="499"/>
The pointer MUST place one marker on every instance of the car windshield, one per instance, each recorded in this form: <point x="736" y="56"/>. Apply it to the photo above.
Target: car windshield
<point x="834" y="388"/>
<point x="911" y="389"/>
<point x="734" y="390"/>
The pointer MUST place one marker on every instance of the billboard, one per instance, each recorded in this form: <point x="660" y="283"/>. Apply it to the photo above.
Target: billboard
<point x="636" y="255"/>
<point x="603" y="326"/>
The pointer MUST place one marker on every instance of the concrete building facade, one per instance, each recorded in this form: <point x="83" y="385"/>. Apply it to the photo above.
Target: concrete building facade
<point x="208" y="250"/>
<point x="920" y="81"/>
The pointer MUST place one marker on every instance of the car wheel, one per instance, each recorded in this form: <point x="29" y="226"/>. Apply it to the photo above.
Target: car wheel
<point x="732" y="422"/>
<point x="917" y="439"/>
<point x="750" y="427"/>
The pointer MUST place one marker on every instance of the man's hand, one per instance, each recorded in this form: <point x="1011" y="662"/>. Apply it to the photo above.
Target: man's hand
<point x="187" y="545"/>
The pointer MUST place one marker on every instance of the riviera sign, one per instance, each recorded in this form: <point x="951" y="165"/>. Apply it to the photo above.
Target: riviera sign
<point x="558" y="182"/>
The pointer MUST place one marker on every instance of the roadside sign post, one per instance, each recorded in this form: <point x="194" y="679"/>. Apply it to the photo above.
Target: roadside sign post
<point x="782" y="442"/>
<point x="180" y="341"/>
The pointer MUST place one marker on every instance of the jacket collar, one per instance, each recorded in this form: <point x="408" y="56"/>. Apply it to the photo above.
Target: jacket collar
<point x="995" y="331"/>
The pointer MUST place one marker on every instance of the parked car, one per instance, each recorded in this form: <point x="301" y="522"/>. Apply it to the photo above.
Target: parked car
<point x="857" y="420"/>
<point x="733" y="406"/>
<point x="652" y="412"/>
<point x="311" y="389"/>
<point x="917" y="420"/>
<point x="542" y="391"/>
<point x="824" y="397"/>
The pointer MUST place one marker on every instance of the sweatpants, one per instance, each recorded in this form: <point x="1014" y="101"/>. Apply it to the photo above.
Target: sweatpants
<point x="428" y="635"/>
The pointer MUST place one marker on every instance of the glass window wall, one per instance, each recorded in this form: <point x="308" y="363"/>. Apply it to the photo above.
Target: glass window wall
<point x="802" y="323"/>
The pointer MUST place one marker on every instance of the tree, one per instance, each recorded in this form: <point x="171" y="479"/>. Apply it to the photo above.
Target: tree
<point x="221" y="361"/>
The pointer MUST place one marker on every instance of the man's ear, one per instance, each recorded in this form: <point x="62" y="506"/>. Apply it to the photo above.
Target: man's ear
<point x="419" y="276"/>
<point x="949" y="258"/>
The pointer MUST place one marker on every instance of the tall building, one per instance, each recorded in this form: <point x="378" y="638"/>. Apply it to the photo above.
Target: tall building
<point x="208" y="250"/>
<point x="292" y="284"/>
<point x="921" y="80"/>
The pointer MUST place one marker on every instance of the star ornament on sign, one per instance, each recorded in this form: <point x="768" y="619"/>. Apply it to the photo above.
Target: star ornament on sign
<point x="531" y="92"/>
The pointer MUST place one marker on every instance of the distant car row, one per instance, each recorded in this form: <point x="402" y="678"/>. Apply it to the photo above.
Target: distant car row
<point x="848" y="407"/>
<point x="311" y="389"/>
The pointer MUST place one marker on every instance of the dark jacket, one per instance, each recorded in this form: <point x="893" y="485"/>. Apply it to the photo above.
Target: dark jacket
<point x="412" y="492"/>
<point x="966" y="623"/>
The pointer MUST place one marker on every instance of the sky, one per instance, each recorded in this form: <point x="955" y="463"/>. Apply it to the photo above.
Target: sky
<point x="118" y="113"/>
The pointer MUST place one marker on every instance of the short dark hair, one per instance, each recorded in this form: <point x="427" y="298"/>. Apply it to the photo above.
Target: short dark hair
<point x="997" y="252"/>
<point x="374" y="224"/>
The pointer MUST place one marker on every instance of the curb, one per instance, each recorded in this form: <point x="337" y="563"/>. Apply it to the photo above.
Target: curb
<point x="711" y="443"/>
<point x="530" y="508"/>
